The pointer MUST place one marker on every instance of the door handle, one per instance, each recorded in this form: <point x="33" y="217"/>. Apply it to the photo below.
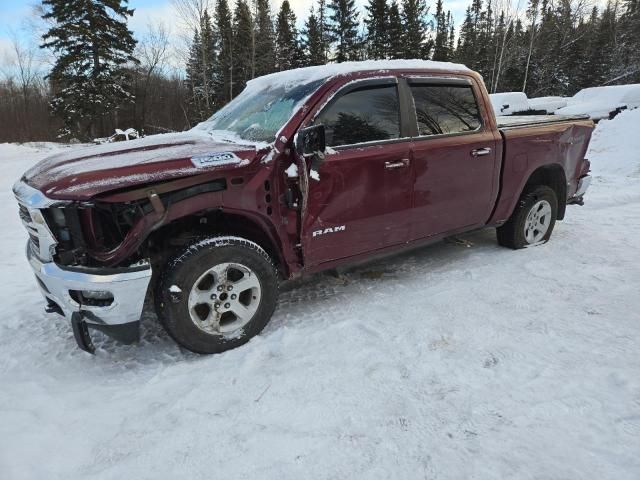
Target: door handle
<point x="393" y="165"/>
<point x="479" y="152"/>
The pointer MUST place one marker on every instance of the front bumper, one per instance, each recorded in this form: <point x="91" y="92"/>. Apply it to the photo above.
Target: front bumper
<point x="60" y="286"/>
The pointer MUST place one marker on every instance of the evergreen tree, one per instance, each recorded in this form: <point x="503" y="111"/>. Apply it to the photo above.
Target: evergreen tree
<point x="265" y="56"/>
<point x="451" y="43"/>
<point x="396" y="31"/>
<point x="580" y="55"/>
<point x="548" y="74"/>
<point x="533" y="12"/>
<point x="200" y="71"/>
<point x="485" y="48"/>
<point x="513" y="71"/>
<point x="288" y="49"/>
<point x="313" y="45"/>
<point x="604" y="39"/>
<point x="208" y="62"/>
<point x="325" y="33"/>
<point x="414" y="13"/>
<point x="466" y="41"/>
<point x="242" y="47"/>
<point x="224" y="71"/>
<point x="92" y="45"/>
<point x="377" y="29"/>
<point x="344" y="29"/>
<point x="441" y="44"/>
<point x="628" y="54"/>
<point x="193" y="79"/>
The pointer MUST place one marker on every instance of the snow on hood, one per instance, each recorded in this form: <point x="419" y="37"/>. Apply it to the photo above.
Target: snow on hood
<point x="84" y="172"/>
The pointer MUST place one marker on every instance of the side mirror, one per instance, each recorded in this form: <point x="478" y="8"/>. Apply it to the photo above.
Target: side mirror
<point x="311" y="141"/>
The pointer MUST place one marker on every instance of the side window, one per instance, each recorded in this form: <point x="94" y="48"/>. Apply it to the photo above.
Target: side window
<point x="445" y="109"/>
<point x="363" y="115"/>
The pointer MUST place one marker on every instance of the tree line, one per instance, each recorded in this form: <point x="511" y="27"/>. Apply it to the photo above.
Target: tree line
<point x="553" y="47"/>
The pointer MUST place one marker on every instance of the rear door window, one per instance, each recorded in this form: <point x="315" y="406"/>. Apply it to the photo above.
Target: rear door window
<point x="367" y="114"/>
<point x="445" y="109"/>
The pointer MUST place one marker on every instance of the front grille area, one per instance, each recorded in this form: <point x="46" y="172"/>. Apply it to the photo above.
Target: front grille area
<point x="35" y="241"/>
<point x="32" y="202"/>
<point x="65" y="227"/>
<point x="24" y="213"/>
<point x="40" y="238"/>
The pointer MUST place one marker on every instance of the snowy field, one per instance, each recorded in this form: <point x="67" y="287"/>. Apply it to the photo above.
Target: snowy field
<point x="449" y="362"/>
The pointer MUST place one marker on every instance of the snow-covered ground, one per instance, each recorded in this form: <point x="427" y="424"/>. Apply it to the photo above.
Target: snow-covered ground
<point x="449" y="362"/>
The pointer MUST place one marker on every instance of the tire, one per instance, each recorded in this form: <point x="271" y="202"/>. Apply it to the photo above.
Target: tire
<point x="243" y="281"/>
<point x="522" y="230"/>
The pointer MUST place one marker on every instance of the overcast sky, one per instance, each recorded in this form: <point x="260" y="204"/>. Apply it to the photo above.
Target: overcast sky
<point x="14" y="12"/>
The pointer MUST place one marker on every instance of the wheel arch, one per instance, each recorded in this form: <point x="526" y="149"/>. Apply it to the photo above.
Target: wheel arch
<point x="553" y="176"/>
<point x="183" y="230"/>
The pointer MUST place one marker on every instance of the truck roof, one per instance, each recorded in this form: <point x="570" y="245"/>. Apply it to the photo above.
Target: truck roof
<point x="300" y="76"/>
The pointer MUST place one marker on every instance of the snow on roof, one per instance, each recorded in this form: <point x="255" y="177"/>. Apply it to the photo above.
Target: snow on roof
<point x="298" y="76"/>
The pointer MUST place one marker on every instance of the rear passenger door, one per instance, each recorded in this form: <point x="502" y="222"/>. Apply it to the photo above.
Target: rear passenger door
<point x="360" y="200"/>
<point x="454" y="158"/>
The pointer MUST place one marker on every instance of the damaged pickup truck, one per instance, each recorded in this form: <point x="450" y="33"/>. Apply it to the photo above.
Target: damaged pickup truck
<point x="306" y="170"/>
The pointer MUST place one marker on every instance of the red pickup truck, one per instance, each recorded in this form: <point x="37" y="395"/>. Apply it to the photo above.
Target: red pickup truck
<point x="306" y="170"/>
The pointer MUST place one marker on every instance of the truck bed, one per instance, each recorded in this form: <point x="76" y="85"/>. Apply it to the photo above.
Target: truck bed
<point x="516" y="121"/>
<point x="534" y="141"/>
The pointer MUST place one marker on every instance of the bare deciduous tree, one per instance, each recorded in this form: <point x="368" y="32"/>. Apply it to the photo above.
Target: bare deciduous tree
<point x="191" y="12"/>
<point x="153" y="53"/>
<point x="21" y="66"/>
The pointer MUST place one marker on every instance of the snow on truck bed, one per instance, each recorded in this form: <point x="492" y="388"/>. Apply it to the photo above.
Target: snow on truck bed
<point x="509" y="103"/>
<point x="450" y="362"/>
<point x="549" y="104"/>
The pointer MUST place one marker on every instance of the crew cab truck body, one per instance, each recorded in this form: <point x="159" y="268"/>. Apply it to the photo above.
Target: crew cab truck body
<point x="306" y="170"/>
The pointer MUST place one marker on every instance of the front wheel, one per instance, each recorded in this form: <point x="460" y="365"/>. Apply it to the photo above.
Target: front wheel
<point x="532" y="220"/>
<point x="217" y="294"/>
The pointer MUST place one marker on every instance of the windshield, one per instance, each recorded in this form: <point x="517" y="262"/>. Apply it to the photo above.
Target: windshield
<point x="258" y="114"/>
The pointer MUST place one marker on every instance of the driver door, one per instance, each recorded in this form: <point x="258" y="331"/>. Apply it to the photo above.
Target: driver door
<point x="360" y="198"/>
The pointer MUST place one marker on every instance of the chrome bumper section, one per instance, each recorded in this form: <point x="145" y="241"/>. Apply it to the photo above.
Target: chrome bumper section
<point x="128" y="288"/>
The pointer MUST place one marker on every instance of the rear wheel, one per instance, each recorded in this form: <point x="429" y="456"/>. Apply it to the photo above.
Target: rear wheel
<point x="217" y="294"/>
<point x="532" y="221"/>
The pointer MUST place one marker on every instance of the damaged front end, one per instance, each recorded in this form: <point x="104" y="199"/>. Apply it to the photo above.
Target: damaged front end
<point x="92" y="259"/>
<point x="95" y="217"/>
<point x="64" y="259"/>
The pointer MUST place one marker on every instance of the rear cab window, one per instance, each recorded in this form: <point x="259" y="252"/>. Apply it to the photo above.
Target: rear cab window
<point x="445" y="109"/>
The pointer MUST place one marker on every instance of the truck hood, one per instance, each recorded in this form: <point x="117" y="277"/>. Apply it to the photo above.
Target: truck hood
<point x="85" y="172"/>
